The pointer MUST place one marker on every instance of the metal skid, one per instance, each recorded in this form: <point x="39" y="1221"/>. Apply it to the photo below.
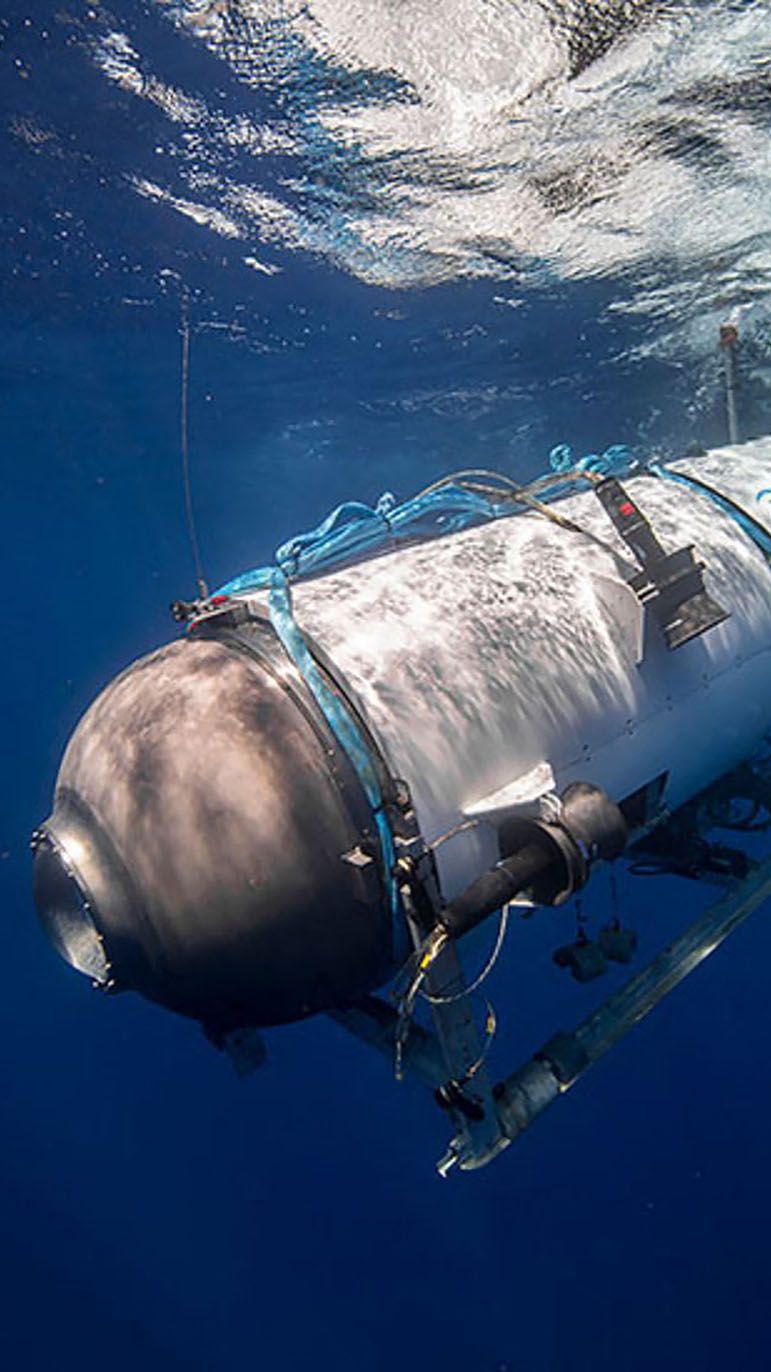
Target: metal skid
<point x="488" y="1118"/>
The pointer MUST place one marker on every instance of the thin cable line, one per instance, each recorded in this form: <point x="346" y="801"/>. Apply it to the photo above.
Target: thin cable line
<point x="184" y="321"/>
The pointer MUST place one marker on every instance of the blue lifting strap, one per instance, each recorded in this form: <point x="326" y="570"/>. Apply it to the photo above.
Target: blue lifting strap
<point x="354" y="531"/>
<point x="347" y="733"/>
<point x="751" y="527"/>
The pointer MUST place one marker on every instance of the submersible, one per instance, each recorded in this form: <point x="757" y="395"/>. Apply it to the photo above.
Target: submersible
<point x="259" y="820"/>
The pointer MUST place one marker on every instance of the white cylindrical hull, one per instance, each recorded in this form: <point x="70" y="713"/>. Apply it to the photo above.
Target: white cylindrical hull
<point x="478" y="656"/>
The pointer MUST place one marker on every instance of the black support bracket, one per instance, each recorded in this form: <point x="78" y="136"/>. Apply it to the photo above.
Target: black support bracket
<point x="669" y="585"/>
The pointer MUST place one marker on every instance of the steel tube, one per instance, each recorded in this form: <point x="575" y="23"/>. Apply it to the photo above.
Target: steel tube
<point x="523" y="1096"/>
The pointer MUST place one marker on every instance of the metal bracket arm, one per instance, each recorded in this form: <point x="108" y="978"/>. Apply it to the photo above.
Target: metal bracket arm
<point x="523" y="1096"/>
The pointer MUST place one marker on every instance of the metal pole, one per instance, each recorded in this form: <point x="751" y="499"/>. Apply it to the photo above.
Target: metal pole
<point x="526" y="1094"/>
<point x="729" y="338"/>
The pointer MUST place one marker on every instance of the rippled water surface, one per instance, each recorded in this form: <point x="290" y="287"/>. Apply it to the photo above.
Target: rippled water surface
<point x="534" y="145"/>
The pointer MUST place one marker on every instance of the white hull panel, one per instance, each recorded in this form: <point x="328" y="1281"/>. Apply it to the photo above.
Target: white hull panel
<point x="476" y="657"/>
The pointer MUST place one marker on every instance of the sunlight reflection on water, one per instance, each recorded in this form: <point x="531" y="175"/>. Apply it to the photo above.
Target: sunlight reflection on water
<point x="529" y="141"/>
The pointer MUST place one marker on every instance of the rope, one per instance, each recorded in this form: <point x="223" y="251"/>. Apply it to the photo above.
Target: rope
<point x="355" y="531"/>
<point x="184" y="403"/>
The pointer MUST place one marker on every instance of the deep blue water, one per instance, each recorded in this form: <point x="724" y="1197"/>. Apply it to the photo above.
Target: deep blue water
<point x="157" y="1212"/>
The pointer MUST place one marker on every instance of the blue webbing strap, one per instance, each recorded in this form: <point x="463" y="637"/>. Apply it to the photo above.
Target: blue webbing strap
<point x="754" y="530"/>
<point x="346" y="732"/>
<point x="354" y="531"/>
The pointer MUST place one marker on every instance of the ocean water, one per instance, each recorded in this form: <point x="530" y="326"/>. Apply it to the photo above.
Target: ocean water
<point x="414" y="237"/>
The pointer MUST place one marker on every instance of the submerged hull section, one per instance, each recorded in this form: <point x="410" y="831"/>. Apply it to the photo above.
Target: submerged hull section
<point x="478" y="657"/>
<point x="216" y="845"/>
<point x="202" y="812"/>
